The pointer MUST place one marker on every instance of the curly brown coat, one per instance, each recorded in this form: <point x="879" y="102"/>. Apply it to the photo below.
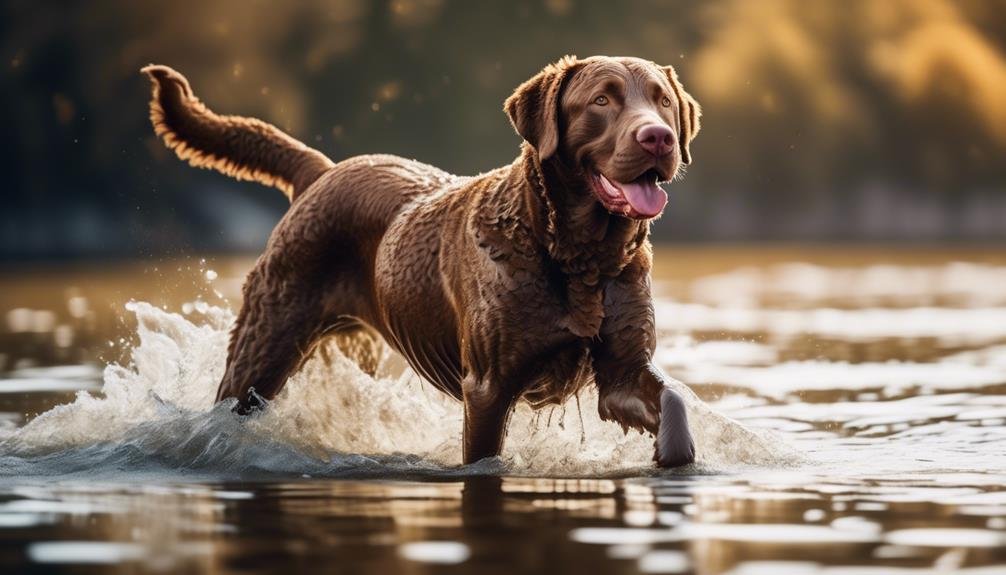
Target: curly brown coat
<point x="524" y="283"/>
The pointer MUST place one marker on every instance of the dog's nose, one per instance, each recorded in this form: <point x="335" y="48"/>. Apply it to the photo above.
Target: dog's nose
<point x="656" y="139"/>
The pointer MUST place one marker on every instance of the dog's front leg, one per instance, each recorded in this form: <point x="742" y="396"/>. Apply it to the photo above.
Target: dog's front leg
<point x="631" y="389"/>
<point x="487" y="408"/>
<point x="637" y="397"/>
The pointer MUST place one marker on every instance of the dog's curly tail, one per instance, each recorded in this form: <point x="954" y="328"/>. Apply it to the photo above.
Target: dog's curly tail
<point x="243" y="148"/>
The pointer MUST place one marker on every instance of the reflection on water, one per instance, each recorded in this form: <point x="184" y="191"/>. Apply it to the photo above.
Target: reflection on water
<point x="870" y="389"/>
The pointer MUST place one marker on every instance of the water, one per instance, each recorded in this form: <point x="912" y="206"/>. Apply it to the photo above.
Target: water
<point x="849" y="414"/>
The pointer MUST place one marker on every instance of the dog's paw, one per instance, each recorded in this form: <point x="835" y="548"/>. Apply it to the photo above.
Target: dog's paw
<point x="674" y="445"/>
<point x="252" y="404"/>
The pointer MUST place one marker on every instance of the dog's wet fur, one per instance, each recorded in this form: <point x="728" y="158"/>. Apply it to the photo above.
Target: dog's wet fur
<point x="525" y="283"/>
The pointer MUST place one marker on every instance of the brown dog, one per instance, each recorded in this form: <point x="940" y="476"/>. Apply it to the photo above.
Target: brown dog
<point x="527" y="282"/>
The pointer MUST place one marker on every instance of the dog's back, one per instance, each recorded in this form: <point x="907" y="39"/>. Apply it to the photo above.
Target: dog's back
<point x="334" y="235"/>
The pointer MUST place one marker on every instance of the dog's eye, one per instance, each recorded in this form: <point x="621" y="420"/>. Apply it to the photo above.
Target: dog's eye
<point x="601" y="100"/>
<point x="666" y="102"/>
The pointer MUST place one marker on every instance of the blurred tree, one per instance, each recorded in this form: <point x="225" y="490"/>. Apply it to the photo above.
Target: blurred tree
<point x="827" y="120"/>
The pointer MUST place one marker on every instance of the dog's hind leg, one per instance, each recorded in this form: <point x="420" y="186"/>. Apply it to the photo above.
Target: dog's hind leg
<point x="275" y="332"/>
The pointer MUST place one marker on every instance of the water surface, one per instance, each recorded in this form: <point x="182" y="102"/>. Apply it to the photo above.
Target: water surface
<point x="850" y="417"/>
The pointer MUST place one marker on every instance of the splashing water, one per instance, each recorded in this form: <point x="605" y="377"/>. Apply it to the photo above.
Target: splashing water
<point x="157" y="414"/>
<point x="890" y="380"/>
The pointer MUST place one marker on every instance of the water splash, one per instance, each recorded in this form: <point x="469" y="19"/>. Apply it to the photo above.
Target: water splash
<point x="331" y="419"/>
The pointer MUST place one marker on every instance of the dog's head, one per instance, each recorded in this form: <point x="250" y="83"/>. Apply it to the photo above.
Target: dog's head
<point x="619" y="125"/>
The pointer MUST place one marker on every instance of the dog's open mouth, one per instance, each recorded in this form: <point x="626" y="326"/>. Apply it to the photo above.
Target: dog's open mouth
<point x="640" y="199"/>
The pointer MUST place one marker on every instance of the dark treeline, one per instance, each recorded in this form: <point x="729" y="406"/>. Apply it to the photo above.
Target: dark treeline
<point x="843" y="120"/>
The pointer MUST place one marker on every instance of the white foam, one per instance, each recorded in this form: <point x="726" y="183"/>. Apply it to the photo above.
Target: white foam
<point x="963" y="284"/>
<point x="50" y="379"/>
<point x="86" y="552"/>
<point x="751" y="533"/>
<point x="664" y="561"/>
<point x="893" y="377"/>
<point x="948" y="537"/>
<point x="436" y="552"/>
<point x="948" y="325"/>
<point x="161" y="405"/>
<point x="856" y="414"/>
<point x="686" y="351"/>
<point x="810" y="568"/>
<point x="42" y="385"/>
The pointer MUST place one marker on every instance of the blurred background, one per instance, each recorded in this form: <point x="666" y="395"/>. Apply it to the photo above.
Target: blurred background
<point x="831" y="270"/>
<point x="828" y="121"/>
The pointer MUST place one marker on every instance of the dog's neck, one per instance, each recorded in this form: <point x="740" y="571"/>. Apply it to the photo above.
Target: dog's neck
<point x="570" y="223"/>
<point x="588" y="244"/>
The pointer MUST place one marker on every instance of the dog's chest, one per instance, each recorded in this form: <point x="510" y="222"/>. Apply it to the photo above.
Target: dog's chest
<point x="558" y="375"/>
<point x="532" y="299"/>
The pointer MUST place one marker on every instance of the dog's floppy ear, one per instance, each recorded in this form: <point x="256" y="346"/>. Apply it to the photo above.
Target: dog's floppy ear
<point x="533" y="108"/>
<point x="689" y="113"/>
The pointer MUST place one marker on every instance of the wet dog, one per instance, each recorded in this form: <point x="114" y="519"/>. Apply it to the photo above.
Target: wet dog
<point x="523" y="284"/>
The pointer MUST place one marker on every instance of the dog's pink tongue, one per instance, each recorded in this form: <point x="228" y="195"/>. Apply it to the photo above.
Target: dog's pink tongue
<point x="645" y="196"/>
